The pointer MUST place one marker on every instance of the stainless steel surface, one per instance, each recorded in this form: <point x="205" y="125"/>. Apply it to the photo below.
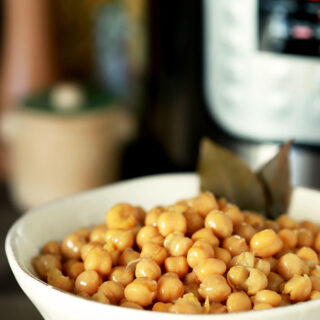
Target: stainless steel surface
<point x="14" y="304"/>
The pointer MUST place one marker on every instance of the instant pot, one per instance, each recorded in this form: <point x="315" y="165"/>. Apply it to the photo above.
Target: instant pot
<point x="262" y="79"/>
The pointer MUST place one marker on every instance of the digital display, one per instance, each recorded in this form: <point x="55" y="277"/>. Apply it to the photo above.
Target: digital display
<point x="290" y="26"/>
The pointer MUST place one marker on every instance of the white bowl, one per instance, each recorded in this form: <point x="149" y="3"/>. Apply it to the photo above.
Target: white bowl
<point x="57" y="219"/>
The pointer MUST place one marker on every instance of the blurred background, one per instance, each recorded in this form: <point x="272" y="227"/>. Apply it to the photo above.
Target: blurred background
<point x="93" y="92"/>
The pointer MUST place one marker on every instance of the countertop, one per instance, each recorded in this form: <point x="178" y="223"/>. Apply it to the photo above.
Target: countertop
<point x="14" y="304"/>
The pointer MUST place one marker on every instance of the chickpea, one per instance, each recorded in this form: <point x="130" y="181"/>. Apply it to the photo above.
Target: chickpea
<point x="148" y="268"/>
<point x="222" y="203"/>
<point x="44" y="263"/>
<point x="121" y="274"/>
<point x="149" y="234"/>
<point x="194" y="289"/>
<point x="305" y="238"/>
<point x="262" y="265"/>
<point x="121" y="216"/>
<point x="298" y="287"/>
<point x="115" y="255"/>
<point x="206" y="234"/>
<point x="315" y="283"/>
<point x="191" y="277"/>
<point x="139" y="214"/>
<point x="72" y="268"/>
<point x="238" y="301"/>
<point x="237" y="277"/>
<point x="235" y="245"/>
<point x="223" y="255"/>
<point x="171" y="221"/>
<point x="217" y="308"/>
<point x="83" y="232"/>
<point x="265" y="243"/>
<point x="97" y="234"/>
<point x="316" y="272"/>
<point x="317" y="243"/>
<point x="161" y="306"/>
<point x="199" y="251"/>
<point x="209" y="266"/>
<point x="100" y="297"/>
<point x="254" y="219"/>
<point x="141" y="291"/>
<point x="188" y="304"/>
<point x="71" y="246"/>
<point x="52" y="247"/>
<point x="178" y="265"/>
<point x="289" y="238"/>
<point x="170" y="287"/>
<point x="289" y="265"/>
<point x="245" y="259"/>
<point x="220" y="223"/>
<point x="194" y="221"/>
<point x="127" y="256"/>
<point x="119" y="239"/>
<point x="152" y="216"/>
<point x="285" y="222"/>
<point x="100" y="260"/>
<point x="309" y="255"/>
<point x="88" y="282"/>
<point x="132" y="305"/>
<point x="88" y="247"/>
<point x="180" y="207"/>
<point x="56" y="279"/>
<point x="114" y="291"/>
<point x="245" y="230"/>
<point x="273" y="263"/>
<point x="177" y="244"/>
<point x="234" y="213"/>
<point x="306" y="224"/>
<point x="262" y="306"/>
<point x="285" y="300"/>
<point x="215" y="287"/>
<point x="275" y="281"/>
<point x="204" y="203"/>
<point x="314" y="295"/>
<point x="267" y="296"/>
<point x="256" y="281"/>
<point x="154" y="251"/>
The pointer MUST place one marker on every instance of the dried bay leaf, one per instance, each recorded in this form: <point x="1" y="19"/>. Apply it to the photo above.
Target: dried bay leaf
<point x="275" y="175"/>
<point x="226" y="175"/>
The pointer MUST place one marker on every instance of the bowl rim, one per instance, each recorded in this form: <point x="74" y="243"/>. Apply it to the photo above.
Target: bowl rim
<point x="17" y="266"/>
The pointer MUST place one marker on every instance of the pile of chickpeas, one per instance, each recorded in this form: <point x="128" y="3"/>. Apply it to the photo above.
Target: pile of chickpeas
<point x="201" y="255"/>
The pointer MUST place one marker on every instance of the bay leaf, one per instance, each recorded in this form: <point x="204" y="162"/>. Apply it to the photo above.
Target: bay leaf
<point x="275" y="175"/>
<point x="226" y="175"/>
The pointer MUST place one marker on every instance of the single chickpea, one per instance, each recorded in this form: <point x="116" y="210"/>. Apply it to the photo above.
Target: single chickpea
<point x="245" y="259"/>
<point x="314" y="295"/>
<point x="121" y="216"/>
<point x="44" y="263"/>
<point x="114" y="291"/>
<point x="220" y="223"/>
<point x="305" y="238"/>
<point x="188" y="304"/>
<point x="275" y="282"/>
<point x="254" y="219"/>
<point x="194" y="221"/>
<point x="206" y="234"/>
<point x="271" y="224"/>
<point x="88" y="282"/>
<point x="262" y="306"/>
<point x="307" y="224"/>
<point x="52" y="247"/>
<point x="234" y="213"/>
<point x="154" y="251"/>
<point x="141" y="291"/>
<point x="115" y="255"/>
<point x="71" y="246"/>
<point x="100" y="260"/>
<point x="191" y="277"/>
<point x="223" y="255"/>
<point x="72" y="268"/>
<point x="256" y="281"/>
<point x="56" y="279"/>
<point x="265" y="243"/>
<point x="88" y="247"/>
<point x="152" y="216"/>
<point x="216" y="308"/>
<point x="315" y="283"/>
<point x="178" y="207"/>
<point x="289" y="238"/>
<point x="170" y="287"/>
<point x="127" y="256"/>
<point x="315" y="272"/>
<point x="119" y="239"/>
<point x="132" y="305"/>
<point x="238" y="301"/>
<point x="262" y="265"/>
<point x="121" y="274"/>
<point x="215" y="287"/>
<point x="171" y="221"/>
<point x="178" y="265"/>
<point x="204" y="203"/>
<point x="289" y="265"/>
<point x="298" y="287"/>
<point x="285" y="222"/>
<point x="97" y="234"/>
<point x="83" y="232"/>
<point x="316" y="244"/>
<point x="148" y="268"/>
<point x="209" y="266"/>
<point x="100" y="297"/>
<point x="149" y="234"/>
<point x="177" y="244"/>
<point x="245" y="230"/>
<point x="222" y="203"/>
<point x="267" y="296"/>
<point x="139" y="214"/>
<point x="161" y="306"/>
<point x="309" y="255"/>
<point x="199" y="251"/>
<point x="237" y="277"/>
<point x="235" y="245"/>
